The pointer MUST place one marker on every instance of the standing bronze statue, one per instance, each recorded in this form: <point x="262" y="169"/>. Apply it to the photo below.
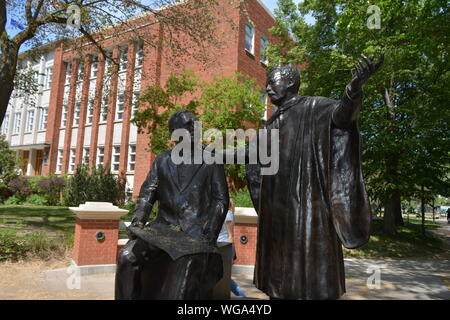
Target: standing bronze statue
<point x="175" y="256"/>
<point x="317" y="200"/>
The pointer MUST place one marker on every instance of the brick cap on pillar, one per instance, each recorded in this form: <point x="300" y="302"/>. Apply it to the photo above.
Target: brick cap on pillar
<point x="245" y="215"/>
<point x="98" y="211"/>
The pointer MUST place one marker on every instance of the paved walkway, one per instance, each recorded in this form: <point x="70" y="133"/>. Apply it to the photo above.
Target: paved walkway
<point x="399" y="279"/>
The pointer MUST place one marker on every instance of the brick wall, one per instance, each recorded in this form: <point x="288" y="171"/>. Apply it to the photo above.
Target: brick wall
<point x="87" y="249"/>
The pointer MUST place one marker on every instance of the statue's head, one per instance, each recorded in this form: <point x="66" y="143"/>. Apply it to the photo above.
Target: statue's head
<point x="282" y="84"/>
<point x="182" y="119"/>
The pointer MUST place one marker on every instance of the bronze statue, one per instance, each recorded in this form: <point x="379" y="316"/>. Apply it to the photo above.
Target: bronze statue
<point x="175" y="256"/>
<point x="317" y="200"/>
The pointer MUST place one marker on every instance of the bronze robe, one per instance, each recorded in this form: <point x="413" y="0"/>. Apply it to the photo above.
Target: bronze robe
<point x="315" y="203"/>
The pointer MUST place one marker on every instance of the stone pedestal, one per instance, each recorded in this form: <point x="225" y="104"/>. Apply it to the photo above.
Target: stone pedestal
<point x="96" y="233"/>
<point x="245" y="235"/>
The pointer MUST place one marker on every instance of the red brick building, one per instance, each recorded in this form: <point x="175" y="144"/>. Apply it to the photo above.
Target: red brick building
<point x="89" y="109"/>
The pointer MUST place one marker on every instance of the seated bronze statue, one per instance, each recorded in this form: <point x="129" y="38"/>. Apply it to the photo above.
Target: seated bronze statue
<point x="175" y="256"/>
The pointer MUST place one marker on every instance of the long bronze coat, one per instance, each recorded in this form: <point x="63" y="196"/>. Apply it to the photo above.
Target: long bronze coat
<point x="315" y="203"/>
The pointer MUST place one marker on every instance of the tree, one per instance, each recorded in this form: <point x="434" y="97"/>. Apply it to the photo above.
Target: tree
<point x="43" y="21"/>
<point x="227" y="102"/>
<point x="8" y="167"/>
<point x="404" y="122"/>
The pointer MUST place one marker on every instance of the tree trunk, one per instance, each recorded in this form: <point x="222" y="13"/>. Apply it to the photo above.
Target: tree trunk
<point x="389" y="215"/>
<point x="8" y="63"/>
<point x="423" y="211"/>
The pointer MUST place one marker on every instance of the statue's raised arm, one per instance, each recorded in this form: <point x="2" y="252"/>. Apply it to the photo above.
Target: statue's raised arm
<point x="351" y="100"/>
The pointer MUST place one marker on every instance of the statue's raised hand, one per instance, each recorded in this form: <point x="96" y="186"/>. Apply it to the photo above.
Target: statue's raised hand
<point x="364" y="71"/>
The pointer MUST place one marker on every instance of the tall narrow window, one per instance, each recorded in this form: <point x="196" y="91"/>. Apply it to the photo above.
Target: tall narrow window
<point x="5" y="125"/>
<point x="17" y="122"/>
<point x="131" y="157"/>
<point x="43" y="119"/>
<point x="115" y="158"/>
<point x="94" y="67"/>
<point x="64" y="116"/>
<point x="104" y="109"/>
<point x="76" y="115"/>
<point x="48" y="77"/>
<point x="249" y="37"/>
<point x="59" y="161"/>
<point x="135" y="106"/>
<point x="100" y="155"/>
<point x="124" y="59"/>
<point x="80" y="72"/>
<point x="86" y="155"/>
<point x="68" y="72"/>
<point x="120" y="106"/>
<point x="30" y="120"/>
<point x="72" y="160"/>
<point x="139" y="56"/>
<point x="90" y="111"/>
<point x="262" y="48"/>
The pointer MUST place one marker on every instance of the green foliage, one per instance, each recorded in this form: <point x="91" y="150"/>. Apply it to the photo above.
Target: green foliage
<point x="11" y="246"/>
<point x="242" y="198"/>
<point x="36" y="200"/>
<point x="14" y="200"/>
<point x="51" y="188"/>
<point x="99" y="185"/>
<point x="233" y="102"/>
<point x="8" y="168"/>
<point x="20" y="188"/>
<point x="404" y="123"/>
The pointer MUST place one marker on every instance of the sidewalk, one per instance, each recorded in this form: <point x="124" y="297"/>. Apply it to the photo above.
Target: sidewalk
<point x="400" y="279"/>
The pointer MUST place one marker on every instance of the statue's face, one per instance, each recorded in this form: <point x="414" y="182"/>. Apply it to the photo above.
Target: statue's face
<point x="277" y="87"/>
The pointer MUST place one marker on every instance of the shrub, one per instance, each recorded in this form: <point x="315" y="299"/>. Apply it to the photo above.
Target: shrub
<point x="242" y="198"/>
<point x="12" y="247"/>
<point x="100" y="185"/>
<point x="51" y="188"/>
<point x="14" y="200"/>
<point x="37" y="200"/>
<point x="20" y="188"/>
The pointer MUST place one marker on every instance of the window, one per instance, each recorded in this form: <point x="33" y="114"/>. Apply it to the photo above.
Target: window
<point x="124" y="59"/>
<point x="249" y="36"/>
<point x="139" y="56"/>
<point x="263" y="46"/>
<point x="5" y="125"/>
<point x="72" y="160"/>
<point x="100" y="155"/>
<point x="80" y="72"/>
<point x="135" y="106"/>
<point x="76" y="117"/>
<point x="90" y="111"/>
<point x="86" y="155"/>
<point x="43" y="119"/>
<point x="64" y="116"/>
<point x="59" y="161"/>
<point x="263" y="97"/>
<point x="30" y="120"/>
<point x="104" y="111"/>
<point x="115" y="158"/>
<point x="48" y="77"/>
<point x="94" y="67"/>
<point x="120" y="106"/>
<point x="17" y="122"/>
<point x="68" y="72"/>
<point x="131" y="157"/>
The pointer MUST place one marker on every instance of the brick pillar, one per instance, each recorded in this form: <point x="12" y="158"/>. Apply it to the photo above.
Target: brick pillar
<point x="83" y="110"/>
<point x="245" y="225"/>
<point x="111" y="108"/>
<point x="70" y="115"/>
<point x="55" y="111"/>
<point x="97" y="109"/>
<point x="96" y="233"/>
<point x="127" y="109"/>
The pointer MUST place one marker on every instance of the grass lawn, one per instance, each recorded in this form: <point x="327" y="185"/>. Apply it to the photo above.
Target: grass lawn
<point x="408" y="243"/>
<point x="39" y="218"/>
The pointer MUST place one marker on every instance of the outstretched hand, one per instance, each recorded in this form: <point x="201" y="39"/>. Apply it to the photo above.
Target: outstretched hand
<point x="364" y="71"/>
